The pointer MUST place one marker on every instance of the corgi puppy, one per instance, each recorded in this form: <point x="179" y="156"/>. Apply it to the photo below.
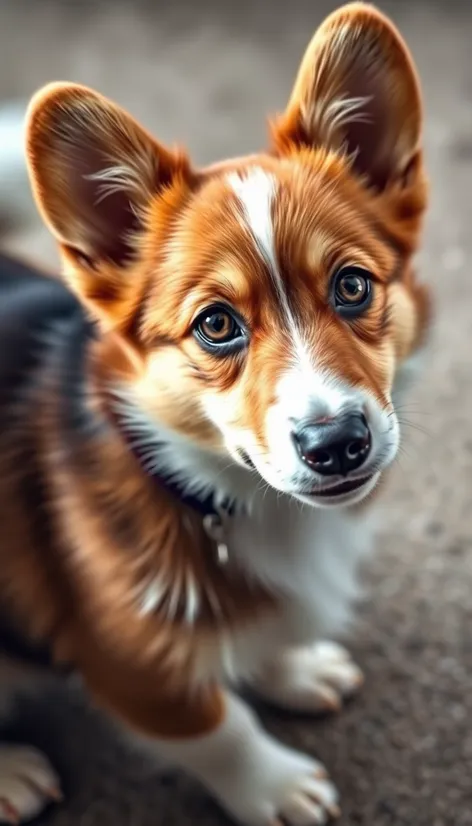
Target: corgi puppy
<point x="195" y="422"/>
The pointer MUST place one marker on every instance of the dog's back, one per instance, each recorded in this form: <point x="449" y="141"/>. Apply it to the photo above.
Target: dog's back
<point x="30" y="305"/>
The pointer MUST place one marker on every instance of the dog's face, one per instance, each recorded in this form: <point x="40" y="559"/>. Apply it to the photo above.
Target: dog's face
<point x="268" y="302"/>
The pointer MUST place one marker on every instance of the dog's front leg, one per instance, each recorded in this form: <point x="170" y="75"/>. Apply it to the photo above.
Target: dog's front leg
<point x="309" y="679"/>
<point x="215" y="737"/>
<point x="27" y="780"/>
<point x="257" y="779"/>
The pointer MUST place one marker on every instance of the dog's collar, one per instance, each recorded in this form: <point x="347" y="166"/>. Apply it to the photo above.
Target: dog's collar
<point x="214" y="514"/>
<point x="204" y="505"/>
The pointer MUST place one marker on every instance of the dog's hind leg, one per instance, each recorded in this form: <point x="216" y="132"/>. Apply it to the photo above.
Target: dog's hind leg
<point x="27" y="780"/>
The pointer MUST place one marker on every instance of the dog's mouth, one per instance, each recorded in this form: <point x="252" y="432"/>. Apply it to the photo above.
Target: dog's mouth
<point x="340" y="489"/>
<point x="246" y="459"/>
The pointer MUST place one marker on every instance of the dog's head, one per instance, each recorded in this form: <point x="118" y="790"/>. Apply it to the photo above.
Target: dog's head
<point x="267" y="301"/>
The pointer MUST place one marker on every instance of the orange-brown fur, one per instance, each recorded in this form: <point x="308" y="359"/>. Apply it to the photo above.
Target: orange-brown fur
<point x="113" y="528"/>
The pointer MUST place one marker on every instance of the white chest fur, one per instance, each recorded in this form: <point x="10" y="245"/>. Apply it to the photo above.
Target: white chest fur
<point x="309" y="558"/>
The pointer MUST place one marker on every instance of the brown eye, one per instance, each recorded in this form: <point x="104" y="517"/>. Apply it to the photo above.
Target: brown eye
<point x="217" y="329"/>
<point x="352" y="290"/>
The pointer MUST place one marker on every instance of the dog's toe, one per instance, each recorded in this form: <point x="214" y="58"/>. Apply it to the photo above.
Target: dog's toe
<point x="27" y="783"/>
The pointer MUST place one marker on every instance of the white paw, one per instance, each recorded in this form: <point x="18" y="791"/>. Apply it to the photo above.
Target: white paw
<point x="27" y="783"/>
<point x="312" y="679"/>
<point x="285" y="787"/>
<point x="259" y="781"/>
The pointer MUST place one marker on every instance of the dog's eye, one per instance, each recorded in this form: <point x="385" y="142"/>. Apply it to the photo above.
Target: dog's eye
<point x="352" y="291"/>
<point x="216" y="328"/>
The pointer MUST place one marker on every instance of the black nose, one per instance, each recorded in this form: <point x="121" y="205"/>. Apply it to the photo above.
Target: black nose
<point x="337" y="447"/>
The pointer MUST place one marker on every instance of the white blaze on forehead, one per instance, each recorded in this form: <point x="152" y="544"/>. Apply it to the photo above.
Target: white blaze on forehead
<point x="256" y="192"/>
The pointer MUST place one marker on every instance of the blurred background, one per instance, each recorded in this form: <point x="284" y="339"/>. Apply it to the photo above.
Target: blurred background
<point x="206" y="73"/>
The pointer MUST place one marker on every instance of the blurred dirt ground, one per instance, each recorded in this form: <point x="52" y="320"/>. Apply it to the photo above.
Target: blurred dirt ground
<point x="205" y="73"/>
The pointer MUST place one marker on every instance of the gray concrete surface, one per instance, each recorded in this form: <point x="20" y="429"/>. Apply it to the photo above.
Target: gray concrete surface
<point x="205" y="74"/>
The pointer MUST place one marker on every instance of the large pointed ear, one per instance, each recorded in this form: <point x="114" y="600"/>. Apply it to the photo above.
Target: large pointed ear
<point x="94" y="172"/>
<point x="357" y="93"/>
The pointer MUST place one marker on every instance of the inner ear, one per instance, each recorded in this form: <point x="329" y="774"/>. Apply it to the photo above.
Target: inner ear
<point x="103" y="192"/>
<point x="357" y="93"/>
<point x="94" y="171"/>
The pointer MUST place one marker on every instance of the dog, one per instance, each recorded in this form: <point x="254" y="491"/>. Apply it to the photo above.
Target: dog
<point x="196" y="420"/>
